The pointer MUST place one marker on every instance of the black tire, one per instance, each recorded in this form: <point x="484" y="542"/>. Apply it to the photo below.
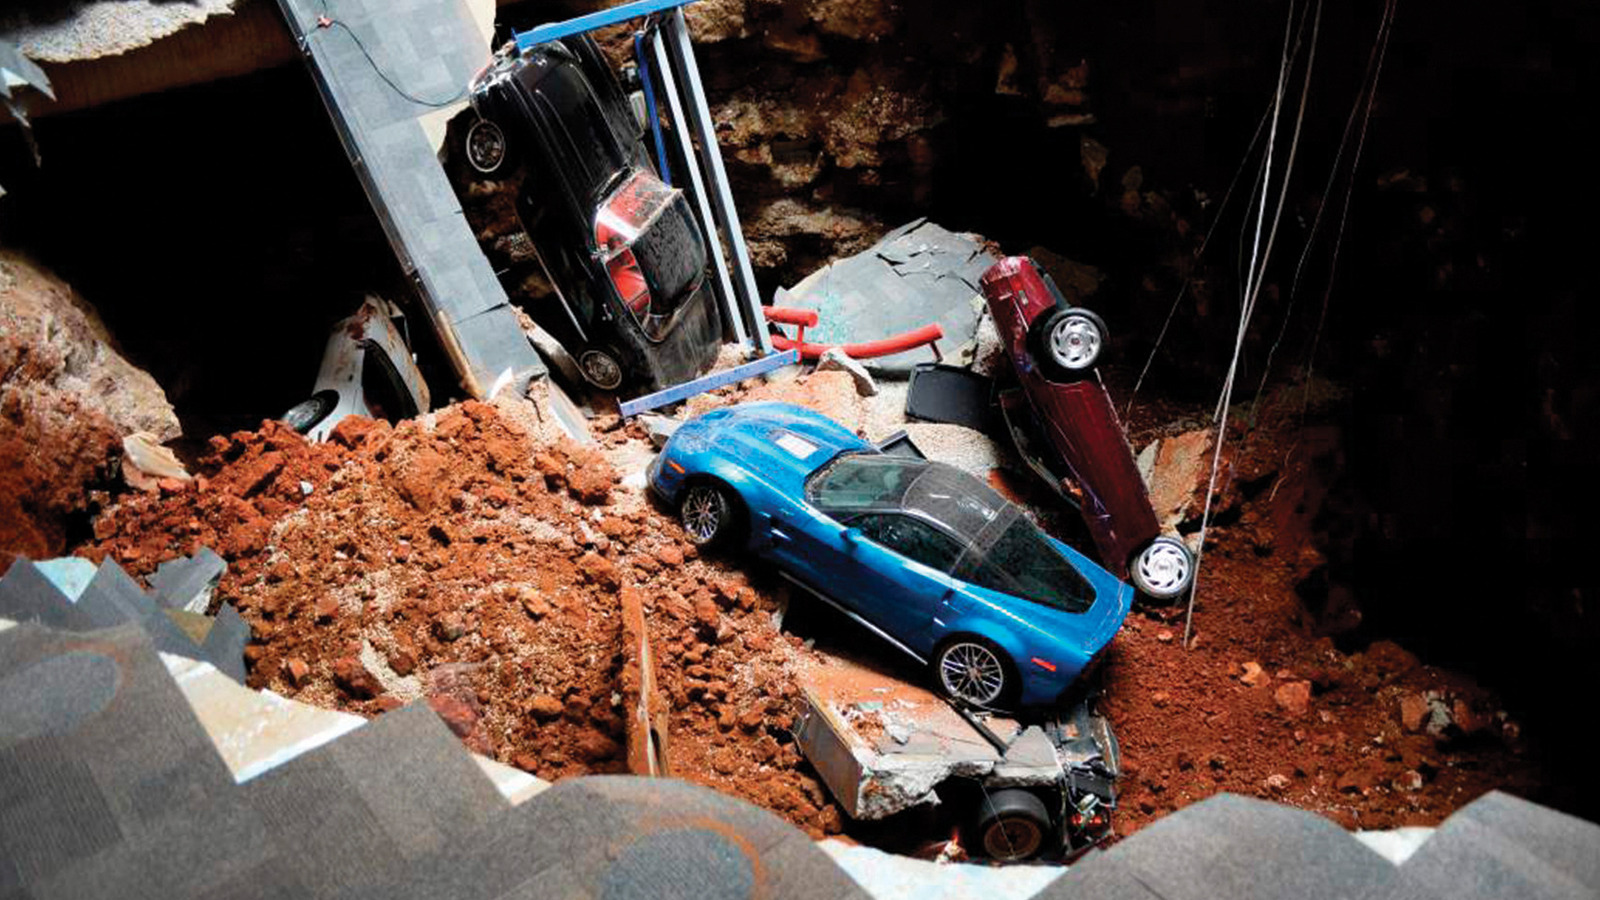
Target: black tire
<point x="974" y="671"/>
<point x="708" y="513"/>
<point x="487" y="149"/>
<point x="1069" y="343"/>
<point x="601" y="368"/>
<point x="1012" y="825"/>
<point x="305" y="415"/>
<point x="1163" y="570"/>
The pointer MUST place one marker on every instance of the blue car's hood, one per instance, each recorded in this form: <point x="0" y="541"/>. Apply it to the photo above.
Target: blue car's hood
<point x="779" y="442"/>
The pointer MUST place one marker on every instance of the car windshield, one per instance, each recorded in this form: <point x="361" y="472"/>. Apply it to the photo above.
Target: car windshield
<point x="861" y="481"/>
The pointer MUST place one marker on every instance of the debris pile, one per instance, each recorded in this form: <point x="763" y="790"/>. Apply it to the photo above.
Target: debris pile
<point x="454" y="558"/>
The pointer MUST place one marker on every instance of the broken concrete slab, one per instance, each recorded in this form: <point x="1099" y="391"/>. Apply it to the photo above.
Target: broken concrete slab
<point x="1175" y="470"/>
<point x="660" y="427"/>
<point x="917" y="274"/>
<point x="94" y="30"/>
<point x="837" y="359"/>
<point x="187" y="582"/>
<point x="883" y="745"/>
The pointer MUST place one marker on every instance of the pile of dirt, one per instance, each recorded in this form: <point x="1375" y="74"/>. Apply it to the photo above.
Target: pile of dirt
<point x="67" y="397"/>
<point x="1275" y="696"/>
<point x="455" y="559"/>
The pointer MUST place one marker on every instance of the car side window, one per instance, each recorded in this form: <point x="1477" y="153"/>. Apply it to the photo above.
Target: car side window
<point x="858" y="481"/>
<point x="912" y="538"/>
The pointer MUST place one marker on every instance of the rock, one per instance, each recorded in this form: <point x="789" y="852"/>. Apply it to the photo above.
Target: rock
<point x="1468" y="720"/>
<point x="534" y="603"/>
<point x="1253" y="676"/>
<point x="1178" y="477"/>
<point x="459" y="715"/>
<point x="1409" y="780"/>
<point x="1277" y="784"/>
<point x="1361" y="779"/>
<point x="326" y="607"/>
<point x="706" y="612"/>
<point x="1159" y="699"/>
<point x="670" y="556"/>
<point x="354" y="679"/>
<point x="544" y="706"/>
<point x="352" y="430"/>
<point x="660" y="428"/>
<point x="402" y="662"/>
<point x="1413" y="712"/>
<point x="296" y="670"/>
<point x="63" y="386"/>
<point x="1294" y="698"/>
<point x="450" y="626"/>
<point x="592" y="746"/>
<point x="389" y="703"/>
<point x="836" y="359"/>
<point x="1164" y="636"/>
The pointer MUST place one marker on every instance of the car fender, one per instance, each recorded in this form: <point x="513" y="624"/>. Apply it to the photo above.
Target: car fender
<point x="1020" y="638"/>
<point x="754" y="494"/>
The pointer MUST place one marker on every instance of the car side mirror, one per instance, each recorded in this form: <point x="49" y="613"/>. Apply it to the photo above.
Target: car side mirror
<point x="852" y="535"/>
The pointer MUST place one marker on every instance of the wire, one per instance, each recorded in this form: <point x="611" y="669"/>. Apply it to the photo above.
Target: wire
<point x="1253" y="286"/>
<point x="1363" y="99"/>
<point x="327" y="21"/>
<point x="1384" y="31"/>
<point x="1199" y="254"/>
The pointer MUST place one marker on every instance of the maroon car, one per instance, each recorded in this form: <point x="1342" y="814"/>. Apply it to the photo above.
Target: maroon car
<point x="1053" y="346"/>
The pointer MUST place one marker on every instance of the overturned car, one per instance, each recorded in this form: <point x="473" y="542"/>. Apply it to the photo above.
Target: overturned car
<point x="622" y="249"/>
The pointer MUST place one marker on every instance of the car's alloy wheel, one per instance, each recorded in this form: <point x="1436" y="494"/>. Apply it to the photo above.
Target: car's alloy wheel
<point x="486" y="147"/>
<point x="1164" y="569"/>
<point x="971" y="672"/>
<point x="705" y="512"/>
<point x="1075" y="341"/>
<point x="602" y="369"/>
<point x="1012" y="824"/>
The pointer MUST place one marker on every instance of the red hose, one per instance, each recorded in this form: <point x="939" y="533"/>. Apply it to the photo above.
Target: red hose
<point x="888" y="346"/>
<point x="788" y="315"/>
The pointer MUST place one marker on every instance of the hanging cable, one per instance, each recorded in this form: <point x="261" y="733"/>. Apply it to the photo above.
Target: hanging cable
<point x="1216" y="223"/>
<point x="1199" y="254"/>
<point x="1362" y="100"/>
<point x="1311" y="358"/>
<point x="1253" y="285"/>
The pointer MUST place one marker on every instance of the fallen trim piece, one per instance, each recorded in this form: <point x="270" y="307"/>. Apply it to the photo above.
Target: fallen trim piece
<point x="708" y="382"/>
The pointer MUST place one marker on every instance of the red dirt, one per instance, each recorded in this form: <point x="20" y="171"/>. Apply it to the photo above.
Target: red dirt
<point x="452" y="558"/>
<point x="455" y="558"/>
<point x="1259" y="704"/>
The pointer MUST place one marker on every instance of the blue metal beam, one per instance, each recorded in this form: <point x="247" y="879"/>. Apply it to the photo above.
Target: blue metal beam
<point x="709" y="382"/>
<point x="554" y="31"/>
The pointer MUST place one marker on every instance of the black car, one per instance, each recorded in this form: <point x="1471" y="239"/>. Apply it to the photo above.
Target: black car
<point x="622" y="249"/>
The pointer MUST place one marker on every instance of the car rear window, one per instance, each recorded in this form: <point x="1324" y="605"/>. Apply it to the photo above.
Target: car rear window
<point x="1022" y="562"/>
<point x="950" y="496"/>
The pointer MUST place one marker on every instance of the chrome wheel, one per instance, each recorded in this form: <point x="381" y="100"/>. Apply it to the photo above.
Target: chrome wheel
<point x="704" y="512"/>
<point x="602" y="370"/>
<point x="486" y="146"/>
<point x="1075" y="342"/>
<point x="1164" y="569"/>
<point x="972" y="672"/>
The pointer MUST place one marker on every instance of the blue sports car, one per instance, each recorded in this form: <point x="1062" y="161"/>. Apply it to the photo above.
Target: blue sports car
<point x="926" y="556"/>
